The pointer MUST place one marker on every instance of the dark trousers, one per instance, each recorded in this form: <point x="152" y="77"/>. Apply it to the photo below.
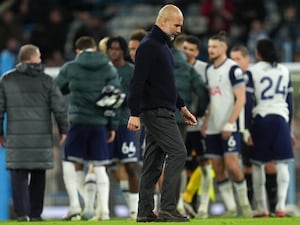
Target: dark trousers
<point x="163" y="144"/>
<point x="28" y="189"/>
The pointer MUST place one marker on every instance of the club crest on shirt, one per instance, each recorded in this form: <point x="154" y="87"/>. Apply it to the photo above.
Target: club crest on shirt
<point x="238" y="74"/>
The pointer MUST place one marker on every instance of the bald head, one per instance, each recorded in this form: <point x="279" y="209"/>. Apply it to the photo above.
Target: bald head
<point x="170" y="20"/>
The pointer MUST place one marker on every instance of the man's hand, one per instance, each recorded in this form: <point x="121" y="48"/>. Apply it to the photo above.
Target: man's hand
<point x="189" y="118"/>
<point x="134" y="123"/>
<point x="111" y="136"/>
<point x="62" y="138"/>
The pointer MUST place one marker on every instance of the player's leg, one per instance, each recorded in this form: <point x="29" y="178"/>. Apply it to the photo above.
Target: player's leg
<point x="90" y="191"/>
<point x="263" y="137"/>
<point x="271" y="186"/>
<point x="184" y="176"/>
<point x="102" y="204"/>
<point x="247" y="169"/>
<point x="133" y="195"/>
<point x="70" y="180"/>
<point x="127" y="154"/>
<point x="73" y="160"/>
<point x="215" y="151"/>
<point x="195" y="147"/>
<point x="190" y="192"/>
<point x="283" y="178"/>
<point x="99" y="154"/>
<point x="206" y="178"/>
<point x="206" y="186"/>
<point x="283" y="153"/>
<point x="259" y="190"/>
<point x="232" y="148"/>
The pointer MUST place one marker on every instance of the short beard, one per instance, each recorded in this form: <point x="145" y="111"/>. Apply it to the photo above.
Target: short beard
<point x="213" y="59"/>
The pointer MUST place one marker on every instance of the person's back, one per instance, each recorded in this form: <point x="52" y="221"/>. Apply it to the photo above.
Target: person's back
<point x="89" y="80"/>
<point x="265" y="73"/>
<point x="84" y="78"/>
<point x="29" y="97"/>
<point x="271" y="101"/>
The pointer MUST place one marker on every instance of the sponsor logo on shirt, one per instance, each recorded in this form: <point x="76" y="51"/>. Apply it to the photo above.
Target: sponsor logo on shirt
<point x="215" y="91"/>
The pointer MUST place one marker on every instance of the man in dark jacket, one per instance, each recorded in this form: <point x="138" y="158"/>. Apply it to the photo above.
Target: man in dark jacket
<point x="153" y="96"/>
<point x="29" y="97"/>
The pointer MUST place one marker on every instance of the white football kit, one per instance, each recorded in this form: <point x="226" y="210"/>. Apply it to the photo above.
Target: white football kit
<point x="270" y="85"/>
<point x="221" y="81"/>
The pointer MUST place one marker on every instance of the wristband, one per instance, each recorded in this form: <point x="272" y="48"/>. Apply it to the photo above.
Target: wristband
<point x="229" y="127"/>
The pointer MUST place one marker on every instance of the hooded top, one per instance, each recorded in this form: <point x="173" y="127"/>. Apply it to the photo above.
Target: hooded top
<point x="83" y="79"/>
<point x="29" y="97"/>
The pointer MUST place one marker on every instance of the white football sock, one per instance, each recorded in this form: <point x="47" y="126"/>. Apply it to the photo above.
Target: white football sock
<point x="124" y="185"/>
<point x="241" y="191"/>
<point x="226" y="192"/>
<point x="69" y="175"/>
<point x="102" y="191"/>
<point x="283" y="178"/>
<point x="259" y="190"/>
<point x="90" y="190"/>
<point x="80" y="175"/>
<point x="133" y="199"/>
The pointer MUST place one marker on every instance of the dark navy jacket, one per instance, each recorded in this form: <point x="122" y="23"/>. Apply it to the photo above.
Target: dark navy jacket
<point x="153" y="82"/>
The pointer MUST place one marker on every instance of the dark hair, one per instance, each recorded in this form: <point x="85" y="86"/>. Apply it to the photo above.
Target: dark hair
<point x="85" y="42"/>
<point x="138" y="34"/>
<point x="193" y="40"/>
<point x="27" y="51"/>
<point x="221" y="36"/>
<point x="267" y="51"/>
<point x="122" y="42"/>
<point x="240" y="48"/>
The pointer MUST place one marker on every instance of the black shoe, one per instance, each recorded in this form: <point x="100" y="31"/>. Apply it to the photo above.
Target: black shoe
<point x="36" y="219"/>
<point x="171" y="216"/>
<point x="23" y="218"/>
<point x="149" y="218"/>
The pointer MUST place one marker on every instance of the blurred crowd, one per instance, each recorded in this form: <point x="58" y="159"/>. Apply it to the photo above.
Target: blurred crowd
<point x="53" y="25"/>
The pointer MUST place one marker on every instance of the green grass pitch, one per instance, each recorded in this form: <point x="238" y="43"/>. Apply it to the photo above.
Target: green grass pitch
<point x="210" y="221"/>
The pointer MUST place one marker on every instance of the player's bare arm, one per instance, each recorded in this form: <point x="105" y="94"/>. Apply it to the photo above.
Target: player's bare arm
<point x="240" y="95"/>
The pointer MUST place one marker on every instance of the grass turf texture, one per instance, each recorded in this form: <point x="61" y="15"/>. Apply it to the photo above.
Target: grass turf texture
<point x="210" y="221"/>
